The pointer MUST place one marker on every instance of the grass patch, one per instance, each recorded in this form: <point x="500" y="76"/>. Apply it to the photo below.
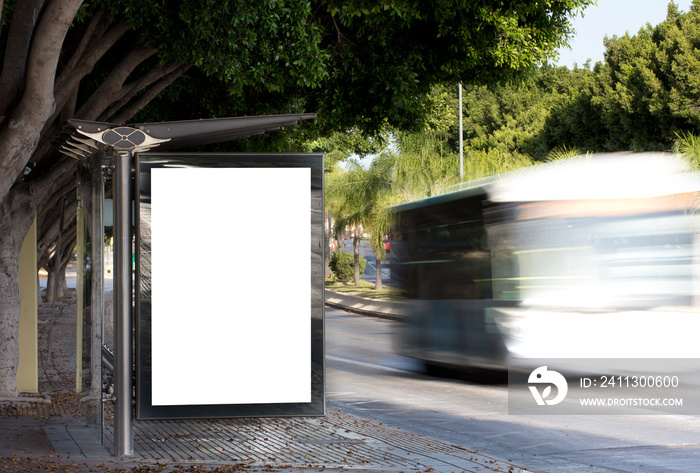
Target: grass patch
<point x="366" y="289"/>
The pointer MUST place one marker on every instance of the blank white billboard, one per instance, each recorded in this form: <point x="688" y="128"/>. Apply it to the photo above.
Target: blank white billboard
<point x="230" y="282"/>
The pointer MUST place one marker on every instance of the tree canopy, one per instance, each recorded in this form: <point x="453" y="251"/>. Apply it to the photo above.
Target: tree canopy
<point x="642" y="97"/>
<point x="649" y="83"/>
<point x="358" y="65"/>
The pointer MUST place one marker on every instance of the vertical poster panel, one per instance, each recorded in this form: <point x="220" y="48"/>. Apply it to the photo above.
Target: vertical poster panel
<point x="218" y="337"/>
<point x="228" y="324"/>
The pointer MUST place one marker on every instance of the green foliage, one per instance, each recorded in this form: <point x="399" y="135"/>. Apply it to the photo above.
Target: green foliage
<point x="644" y="93"/>
<point x="339" y="147"/>
<point x="368" y="290"/>
<point x="359" y="195"/>
<point x="576" y="119"/>
<point x="361" y="66"/>
<point x="6" y="9"/>
<point x="564" y="152"/>
<point x="688" y="145"/>
<point x="387" y="55"/>
<point x="424" y="164"/>
<point x="531" y="118"/>
<point x="343" y="266"/>
<point x="639" y="99"/>
<point x="271" y="44"/>
<point x="644" y="97"/>
<point x="652" y="87"/>
<point x="506" y="118"/>
<point x="479" y="164"/>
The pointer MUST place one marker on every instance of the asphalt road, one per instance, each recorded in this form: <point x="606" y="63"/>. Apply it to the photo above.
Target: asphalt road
<point x="370" y="273"/>
<point x="365" y="377"/>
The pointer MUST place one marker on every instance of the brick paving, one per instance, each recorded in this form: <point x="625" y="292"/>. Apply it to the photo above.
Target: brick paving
<point x="47" y="432"/>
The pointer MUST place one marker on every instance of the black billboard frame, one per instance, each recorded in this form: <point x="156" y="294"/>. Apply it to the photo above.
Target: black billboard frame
<point x="146" y="162"/>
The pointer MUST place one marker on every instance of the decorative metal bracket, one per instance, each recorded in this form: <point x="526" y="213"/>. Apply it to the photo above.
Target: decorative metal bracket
<point x="125" y="138"/>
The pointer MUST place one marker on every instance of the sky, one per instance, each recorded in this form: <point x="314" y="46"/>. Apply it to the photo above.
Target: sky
<point x="608" y="18"/>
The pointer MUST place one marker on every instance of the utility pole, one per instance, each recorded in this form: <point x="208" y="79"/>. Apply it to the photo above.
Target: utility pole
<point x="461" y="139"/>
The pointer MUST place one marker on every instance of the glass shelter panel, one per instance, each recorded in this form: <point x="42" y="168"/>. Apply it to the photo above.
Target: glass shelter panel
<point x="90" y="288"/>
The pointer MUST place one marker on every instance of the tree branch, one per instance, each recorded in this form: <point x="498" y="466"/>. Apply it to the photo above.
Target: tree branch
<point x="130" y="90"/>
<point x="48" y="134"/>
<point x="92" y="35"/>
<point x="49" y="131"/>
<point x="50" y="234"/>
<point x="68" y="110"/>
<point x="19" y="38"/>
<point x="48" y="215"/>
<point x="47" y="210"/>
<point x="46" y="185"/>
<point x="79" y="66"/>
<point x="109" y="90"/>
<point x="21" y="133"/>
<point x="84" y="59"/>
<point x="152" y="93"/>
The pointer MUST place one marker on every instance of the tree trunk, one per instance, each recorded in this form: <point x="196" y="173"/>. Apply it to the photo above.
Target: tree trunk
<point x="17" y="209"/>
<point x="67" y="255"/>
<point x="56" y="281"/>
<point x="49" y="214"/>
<point x="40" y="302"/>
<point x="9" y="315"/>
<point x="57" y="270"/>
<point x="356" y="251"/>
<point x="378" y="283"/>
<point x="17" y="217"/>
<point x="50" y="281"/>
<point x="62" y="277"/>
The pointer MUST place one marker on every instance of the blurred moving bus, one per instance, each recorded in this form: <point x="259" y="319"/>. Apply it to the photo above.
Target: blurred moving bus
<point x="589" y="257"/>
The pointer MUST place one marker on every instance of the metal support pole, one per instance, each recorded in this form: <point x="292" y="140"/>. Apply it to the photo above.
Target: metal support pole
<point x="461" y="138"/>
<point x="327" y="249"/>
<point x="123" y="384"/>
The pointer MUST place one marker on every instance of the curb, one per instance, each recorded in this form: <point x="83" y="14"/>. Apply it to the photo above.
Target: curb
<point x="393" y="310"/>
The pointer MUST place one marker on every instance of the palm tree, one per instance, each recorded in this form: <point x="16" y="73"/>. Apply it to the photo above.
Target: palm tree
<point x="423" y="165"/>
<point x="378" y="226"/>
<point x="688" y="145"/>
<point x="354" y="197"/>
<point x="563" y="152"/>
<point x="420" y="166"/>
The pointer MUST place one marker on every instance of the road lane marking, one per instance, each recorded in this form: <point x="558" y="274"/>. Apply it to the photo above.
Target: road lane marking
<point x="498" y="435"/>
<point x="366" y="365"/>
<point x="536" y="445"/>
<point x="385" y="273"/>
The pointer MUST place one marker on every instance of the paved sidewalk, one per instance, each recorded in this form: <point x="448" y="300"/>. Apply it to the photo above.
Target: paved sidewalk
<point x="394" y="310"/>
<point x="47" y="433"/>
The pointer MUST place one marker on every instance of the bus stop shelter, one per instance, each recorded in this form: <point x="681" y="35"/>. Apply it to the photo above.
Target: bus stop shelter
<point x="162" y="191"/>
